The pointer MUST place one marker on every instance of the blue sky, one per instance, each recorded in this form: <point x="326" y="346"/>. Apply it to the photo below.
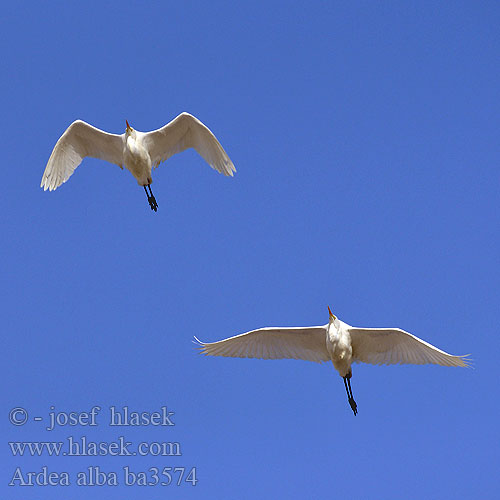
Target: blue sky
<point x="365" y="137"/>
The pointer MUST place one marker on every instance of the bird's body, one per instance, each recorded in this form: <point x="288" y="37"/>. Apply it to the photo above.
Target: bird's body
<point x="339" y="347"/>
<point x="337" y="342"/>
<point x="138" y="152"/>
<point x="137" y="160"/>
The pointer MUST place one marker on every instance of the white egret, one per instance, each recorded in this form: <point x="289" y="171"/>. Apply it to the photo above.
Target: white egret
<point x="337" y="342"/>
<point x="138" y="151"/>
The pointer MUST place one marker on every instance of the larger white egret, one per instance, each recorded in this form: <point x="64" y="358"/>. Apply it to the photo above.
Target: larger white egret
<point x="337" y="342"/>
<point x="137" y="151"/>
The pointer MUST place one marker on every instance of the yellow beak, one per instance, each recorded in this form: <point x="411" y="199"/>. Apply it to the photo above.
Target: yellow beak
<point x="331" y="314"/>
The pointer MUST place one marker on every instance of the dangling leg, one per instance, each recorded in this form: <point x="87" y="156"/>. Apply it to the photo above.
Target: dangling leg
<point x="352" y="403"/>
<point x="151" y="198"/>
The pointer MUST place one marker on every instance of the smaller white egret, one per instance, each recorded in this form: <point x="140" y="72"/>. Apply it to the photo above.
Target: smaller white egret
<point x="337" y="342"/>
<point x="138" y="151"/>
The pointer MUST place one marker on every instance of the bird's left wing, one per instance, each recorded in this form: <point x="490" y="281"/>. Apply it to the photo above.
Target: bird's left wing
<point x="307" y="343"/>
<point x="183" y="132"/>
<point x="386" y="346"/>
<point x="78" y="141"/>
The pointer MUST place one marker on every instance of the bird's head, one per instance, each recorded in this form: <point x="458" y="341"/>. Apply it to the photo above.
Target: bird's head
<point x="333" y="318"/>
<point x="129" y="129"/>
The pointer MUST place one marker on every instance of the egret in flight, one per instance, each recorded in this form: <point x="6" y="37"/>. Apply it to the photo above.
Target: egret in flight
<point x="138" y="151"/>
<point x="337" y="342"/>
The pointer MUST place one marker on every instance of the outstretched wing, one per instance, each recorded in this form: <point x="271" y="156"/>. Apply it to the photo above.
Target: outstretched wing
<point x="78" y="141"/>
<point x="387" y="346"/>
<point x="307" y="343"/>
<point x="185" y="132"/>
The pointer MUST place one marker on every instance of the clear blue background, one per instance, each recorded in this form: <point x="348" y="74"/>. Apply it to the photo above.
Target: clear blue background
<point x="366" y="142"/>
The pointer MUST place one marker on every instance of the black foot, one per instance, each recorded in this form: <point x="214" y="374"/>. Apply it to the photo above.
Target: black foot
<point x="152" y="203"/>
<point x="354" y="406"/>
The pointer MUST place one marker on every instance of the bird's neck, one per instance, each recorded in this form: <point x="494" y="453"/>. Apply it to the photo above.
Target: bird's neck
<point x="333" y="331"/>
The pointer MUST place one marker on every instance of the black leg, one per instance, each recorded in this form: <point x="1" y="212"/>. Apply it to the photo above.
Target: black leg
<point x="151" y="198"/>
<point x="352" y="403"/>
<point x="154" y="205"/>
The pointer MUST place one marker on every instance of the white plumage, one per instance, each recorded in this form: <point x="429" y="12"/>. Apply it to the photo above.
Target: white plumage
<point x="138" y="151"/>
<point x="337" y="342"/>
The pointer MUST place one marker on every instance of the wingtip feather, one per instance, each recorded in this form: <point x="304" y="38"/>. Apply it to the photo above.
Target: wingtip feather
<point x="466" y="361"/>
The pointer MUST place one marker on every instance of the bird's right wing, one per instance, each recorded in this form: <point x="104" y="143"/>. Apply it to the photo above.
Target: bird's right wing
<point x="308" y="343"/>
<point x="387" y="346"/>
<point x="78" y="141"/>
<point x="183" y="132"/>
